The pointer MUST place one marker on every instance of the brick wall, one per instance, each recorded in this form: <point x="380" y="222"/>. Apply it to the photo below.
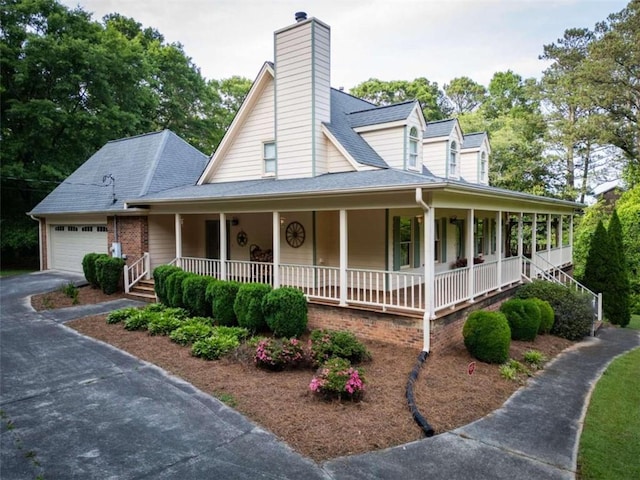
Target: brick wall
<point x="133" y="234"/>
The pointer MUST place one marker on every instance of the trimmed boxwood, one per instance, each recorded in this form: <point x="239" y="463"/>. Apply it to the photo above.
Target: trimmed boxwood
<point x="194" y="290"/>
<point x="487" y="336"/>
<point x="160" y="275"/>
<point x="285" y="311"/>
<point x="248" y="306"/>
<point x="326" y="344"/>
<point x="546" y="315"/>
<point x="89" y="268"/>
<point x="523" y="317"/>
<point x="221" y="296"/>
<point x="173" y="288"/>
<point x="109" y="272"/>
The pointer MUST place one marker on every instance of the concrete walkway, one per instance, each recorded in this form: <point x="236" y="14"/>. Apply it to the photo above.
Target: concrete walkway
<point x="73" y="407"/>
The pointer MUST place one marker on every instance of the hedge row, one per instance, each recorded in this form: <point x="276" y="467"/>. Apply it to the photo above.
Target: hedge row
<point x="254" y="306"/>
<point x="103" y="271"/>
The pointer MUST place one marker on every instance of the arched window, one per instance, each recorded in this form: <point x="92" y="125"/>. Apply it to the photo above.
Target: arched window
<point x="413" y="147"/>
<point x="453" y="158"/>
<point x="483" y="166"/>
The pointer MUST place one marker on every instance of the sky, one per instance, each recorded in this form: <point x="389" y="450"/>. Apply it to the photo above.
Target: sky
<point x="384" y="39"/>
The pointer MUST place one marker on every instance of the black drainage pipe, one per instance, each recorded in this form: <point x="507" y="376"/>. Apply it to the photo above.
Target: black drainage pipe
<point x="417" y="416"/>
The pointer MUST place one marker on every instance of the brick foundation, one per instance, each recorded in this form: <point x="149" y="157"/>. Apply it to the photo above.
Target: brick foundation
<point x="446" y="331"/>
<point x="133" y="234"/>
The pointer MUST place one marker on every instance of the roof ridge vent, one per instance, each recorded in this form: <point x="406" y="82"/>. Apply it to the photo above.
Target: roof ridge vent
<point x="300" y="16"/>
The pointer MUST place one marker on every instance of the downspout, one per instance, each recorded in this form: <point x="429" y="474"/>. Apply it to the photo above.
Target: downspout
<point x="428" y="270"/>
<point x="36" y="219"/>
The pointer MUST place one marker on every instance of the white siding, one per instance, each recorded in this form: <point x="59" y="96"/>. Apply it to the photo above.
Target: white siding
<point x="366" y="230"/>
<point x="303" y="255"/>
<point x="336" y="162"/>
<point x="389" y="144"/>
<point x="244" y="159"/>
<point x="302" y="97"/>
<point x="162" y="239"/>
<point x="434" y="157"/>
<point x="257" y="226"/>
<point x="328" y="238"/>
<point x="469" y="166"/>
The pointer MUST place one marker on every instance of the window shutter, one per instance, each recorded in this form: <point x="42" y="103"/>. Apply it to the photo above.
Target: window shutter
<point x="443" y="239"/>
<point x="396" y="243"/>
<point x="416" y="242"/>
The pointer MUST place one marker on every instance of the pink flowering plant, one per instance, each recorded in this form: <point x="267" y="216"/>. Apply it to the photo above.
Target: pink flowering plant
<point x="336" y="378"/>
<point x="279" y="353"/>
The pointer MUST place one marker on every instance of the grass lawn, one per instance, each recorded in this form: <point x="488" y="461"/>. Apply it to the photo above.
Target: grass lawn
<point x="610" y="440"/>
<point x="10" y="272"/>
<point x="635" y="322"/>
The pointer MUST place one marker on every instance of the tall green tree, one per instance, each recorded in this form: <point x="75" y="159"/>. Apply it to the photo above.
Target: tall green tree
<point x="628" y="209"/>
<point x="597" y="273"/>
<point x="433" y="101"/>
<point x="617" y="309"/>
<point x="464" y="94"/>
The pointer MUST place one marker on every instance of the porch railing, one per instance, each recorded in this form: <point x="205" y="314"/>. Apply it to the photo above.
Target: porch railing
<point x="511" y="270"/>
<point x="246" y="272"/>
<point x="201" y="266"/>
<point x="404" y="290"/>
<point x="451" y="287"/>
<point x="485" y="277"/>
<point x="315" y="281"/>
<point x="136" y="271"/>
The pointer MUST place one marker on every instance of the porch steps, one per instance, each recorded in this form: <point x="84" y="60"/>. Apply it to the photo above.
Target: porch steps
<point x="144" y="290"/>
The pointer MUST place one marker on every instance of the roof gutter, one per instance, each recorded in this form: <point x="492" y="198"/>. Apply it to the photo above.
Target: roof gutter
<point x="40" y="242"/>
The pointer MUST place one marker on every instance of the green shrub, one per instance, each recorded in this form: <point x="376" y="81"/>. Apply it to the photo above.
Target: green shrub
<point x="248" y="306"/>
<point x="523" y="317"/>
<point x="221" y="296"/>
<point x="279" y="353"/>
<point x="326" y="344"/>
<point x="71" y="291"/>
<point x="117" y="316"/>
<point x="337" y="379"/>
<point x="194" y="290"/>
<point x="109" y="271"/>
<point x="285" y="311"/>
<point x="487" y="336"/>
<point x="191" y="331"/>
<point x="141" y="320"/>
<point x="546" y="315"/>
<point x="173" y="288"/>
<point x="212" y="348"/>
<point x="238" y="332"/>
<point x="573" y="311"/>
<point x="89" y="268"/>
<point x="508" y="372"/>
<point x="160" y="275"/>
<point x="534" y="358"/>
<point x="164" y="324"/>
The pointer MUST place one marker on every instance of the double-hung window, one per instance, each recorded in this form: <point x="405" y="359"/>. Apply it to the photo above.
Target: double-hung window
<point x="453" y="158"/>
<point x="413" y="148"/>
<point x="269" y="158"/>
<point x="483" y="166"/>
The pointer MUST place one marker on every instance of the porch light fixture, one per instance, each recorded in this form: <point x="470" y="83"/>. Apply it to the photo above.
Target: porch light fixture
<point x="419" y="218"/>
<point x="282" y="220"/>
<point x="235" y="222"/>
<point x="453" y="220"/>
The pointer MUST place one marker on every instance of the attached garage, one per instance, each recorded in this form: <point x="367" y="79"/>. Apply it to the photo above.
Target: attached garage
<point x="70" y="243"/>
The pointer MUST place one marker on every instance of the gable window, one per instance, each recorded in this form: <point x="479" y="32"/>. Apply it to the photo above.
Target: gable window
<point x="269" y="158"/>
<point x="413" y="148"/>
<point x="453" y="158"/>
<point x="406" y="242"/>
<point x="483" y="166"/>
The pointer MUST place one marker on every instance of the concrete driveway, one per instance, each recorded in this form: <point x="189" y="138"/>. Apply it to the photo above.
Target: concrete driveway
<point x="73" y="407"/>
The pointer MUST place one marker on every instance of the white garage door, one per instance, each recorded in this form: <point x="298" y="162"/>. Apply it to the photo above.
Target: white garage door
<point x="70" y="243"/>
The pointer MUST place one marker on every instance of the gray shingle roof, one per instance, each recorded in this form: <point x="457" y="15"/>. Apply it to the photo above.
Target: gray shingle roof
<point x="473" y="140"/>
<point x="383" y="114"/>
<point x="140" y="165"/>
<point x="341" y="105"/>
<point x="441" y="128"/>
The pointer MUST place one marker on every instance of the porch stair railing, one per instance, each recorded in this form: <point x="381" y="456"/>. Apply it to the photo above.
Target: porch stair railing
<point x="547" y="271"/>
<point x="136" y="271"/>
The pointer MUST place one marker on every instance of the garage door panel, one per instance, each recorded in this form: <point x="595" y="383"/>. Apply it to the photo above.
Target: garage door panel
<point x="70" y="243"/>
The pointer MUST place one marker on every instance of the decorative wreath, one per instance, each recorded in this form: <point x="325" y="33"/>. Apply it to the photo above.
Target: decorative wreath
<point x="295" y="234"/>
<point x="242" y="238"/>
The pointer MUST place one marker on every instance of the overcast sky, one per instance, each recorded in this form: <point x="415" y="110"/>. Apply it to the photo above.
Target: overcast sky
<point x="385" y="39"/>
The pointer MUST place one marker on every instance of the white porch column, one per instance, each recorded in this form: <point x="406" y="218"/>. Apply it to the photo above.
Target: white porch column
<point x="344" y="245"/>
<point x="571" y="234"/>
<point x="223" y="246"/>
<point x="470" y="249"/>
<point x="429" y="269"/>
<point x="276" y="249"/>
<point x="178" y="228"/>
<point x="560" y="232"/>
<point x="534" y="232"/>
<point x="548" y="238"/>
<point x="499" y="246"/>
<point x="520" y="234"/>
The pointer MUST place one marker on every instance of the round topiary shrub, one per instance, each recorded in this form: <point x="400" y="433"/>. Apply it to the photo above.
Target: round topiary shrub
<point x="221" y="296"/>
<point x="248" y="306"/>
<point x="487" y="336"/>
<point x="546" y="315"/>
<point x="110" y="273"/>
<point x="174" y="289"/>
<point x="160" y="275"/>
<point x="523" y="317"/>
<point x="285" y="311"/>
<point x="194" y="289"/>
<point x="89" y="268"/>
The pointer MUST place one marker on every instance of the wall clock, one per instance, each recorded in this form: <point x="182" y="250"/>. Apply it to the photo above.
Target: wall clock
<point x="295" y="234"/>
<point x="242" y="238"/>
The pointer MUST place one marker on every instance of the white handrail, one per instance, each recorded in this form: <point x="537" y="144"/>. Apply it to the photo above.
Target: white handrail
<point x="136" y="271"/>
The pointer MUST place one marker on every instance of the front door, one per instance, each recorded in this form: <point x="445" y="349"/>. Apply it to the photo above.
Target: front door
<point x="212" y="239"/>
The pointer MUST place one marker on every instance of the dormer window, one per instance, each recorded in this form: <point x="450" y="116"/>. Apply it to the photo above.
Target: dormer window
<point x="453" y="158"/>
<point x="483" y="166"/>
<point x="413" y="148"/>
<point x="269" y="158"/>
